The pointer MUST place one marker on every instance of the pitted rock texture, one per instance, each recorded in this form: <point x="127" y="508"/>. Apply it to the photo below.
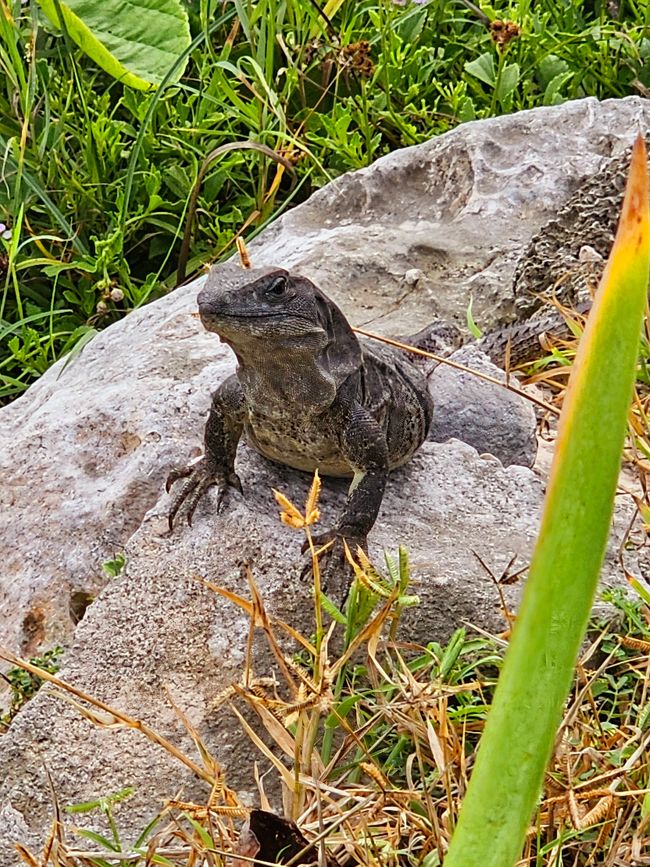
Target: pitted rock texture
<point x="89" y="445"/>
<point x="84" y="455"/>
<point x="158" y="636"/>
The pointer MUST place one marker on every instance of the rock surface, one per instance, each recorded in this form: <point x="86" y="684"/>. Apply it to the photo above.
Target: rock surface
<point x="480" y="413"/>
<point x="84" y="453"/>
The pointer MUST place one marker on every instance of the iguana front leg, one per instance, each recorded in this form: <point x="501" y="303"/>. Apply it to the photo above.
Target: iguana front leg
<point x="217" y="466"/>
<point x="363" y="444"/>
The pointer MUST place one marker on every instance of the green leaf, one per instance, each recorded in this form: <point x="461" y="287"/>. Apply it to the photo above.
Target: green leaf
<point x="6" y="328"/>
<point x="635" y="584"/>
<point x="97" y="838"/>
<point x="466" y="111"/>
<point x="452" y="652"/>
<point x="483" y="68"/>
<point x="114" y="567"/>
<point x="135" y="42"/>
<point x="474" y="330"/>
<point x="146" y="833"/>
<point x="331" y="610"/>
<point x="344" y="707"/>
<point x="103" y="803"/>
<point x="536" y="675"/>
<point x="205" y="838"/>
<point x="87" y="333"/>
<point x="35" y="185"/>
<point x="549" y="68"/>
<point x="552" y="95"/>
<point x="89" y="266"/>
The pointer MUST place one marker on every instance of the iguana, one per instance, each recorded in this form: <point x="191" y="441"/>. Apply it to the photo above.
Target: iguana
<point x="307" y="393"/>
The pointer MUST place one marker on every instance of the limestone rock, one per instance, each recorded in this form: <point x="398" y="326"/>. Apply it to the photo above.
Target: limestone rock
<point x="84" y="453"/>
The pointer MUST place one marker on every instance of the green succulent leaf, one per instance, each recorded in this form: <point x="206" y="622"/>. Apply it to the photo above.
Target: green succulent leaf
<point x="522" y="723"/>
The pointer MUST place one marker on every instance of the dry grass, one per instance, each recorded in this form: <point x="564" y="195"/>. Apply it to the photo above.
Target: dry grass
<point x="374" y="747"/>
<point x="552" y="373"/>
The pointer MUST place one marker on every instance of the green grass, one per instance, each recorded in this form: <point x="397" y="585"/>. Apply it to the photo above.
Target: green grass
<point x="96" y="178"/>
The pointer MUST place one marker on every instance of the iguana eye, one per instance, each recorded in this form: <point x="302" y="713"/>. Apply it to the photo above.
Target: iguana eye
<point x="277" y="287"/>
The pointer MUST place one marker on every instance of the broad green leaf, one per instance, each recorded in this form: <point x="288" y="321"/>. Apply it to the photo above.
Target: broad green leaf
<point x="483" y="68"/>
<point x="549" y="68"/>
<point x="527" y="708"/>
<point x="135" y="42"/>
<point x="467" y="110"/>
<point x="552" y="95"/>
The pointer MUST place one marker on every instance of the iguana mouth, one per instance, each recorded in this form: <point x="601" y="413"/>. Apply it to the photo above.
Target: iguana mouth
<point x="248" y="315"/>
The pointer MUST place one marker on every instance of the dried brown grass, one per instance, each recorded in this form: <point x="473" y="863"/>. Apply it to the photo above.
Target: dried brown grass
<point x="389" y="790"/>
<point x="385" y="786"/>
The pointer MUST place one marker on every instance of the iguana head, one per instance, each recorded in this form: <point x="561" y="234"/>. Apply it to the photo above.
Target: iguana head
<point x="279" y="312"/>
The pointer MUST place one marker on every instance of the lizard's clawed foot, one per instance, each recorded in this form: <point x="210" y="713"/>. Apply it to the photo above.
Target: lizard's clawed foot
<point x="200" y="477"/>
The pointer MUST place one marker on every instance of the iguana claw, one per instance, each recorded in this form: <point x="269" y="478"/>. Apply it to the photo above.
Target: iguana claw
<point x="200" y="478"/>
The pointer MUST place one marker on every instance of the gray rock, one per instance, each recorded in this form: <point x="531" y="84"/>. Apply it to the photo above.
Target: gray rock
<point x="158" y="636"/>
<point x="459" y="208"/>
<point x="84" y="453"/>
<point x="157" y="632"/>
<point x="83" y="457"/>
<point x="490" y="418"/>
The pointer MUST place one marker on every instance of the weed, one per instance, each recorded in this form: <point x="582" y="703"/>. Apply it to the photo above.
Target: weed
<point x="114" y="567"/>
<point x="24" y="685"/>
<point x="407" y="722"/>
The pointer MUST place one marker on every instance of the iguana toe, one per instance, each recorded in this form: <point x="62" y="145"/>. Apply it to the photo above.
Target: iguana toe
<point x="199" y="478"/>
